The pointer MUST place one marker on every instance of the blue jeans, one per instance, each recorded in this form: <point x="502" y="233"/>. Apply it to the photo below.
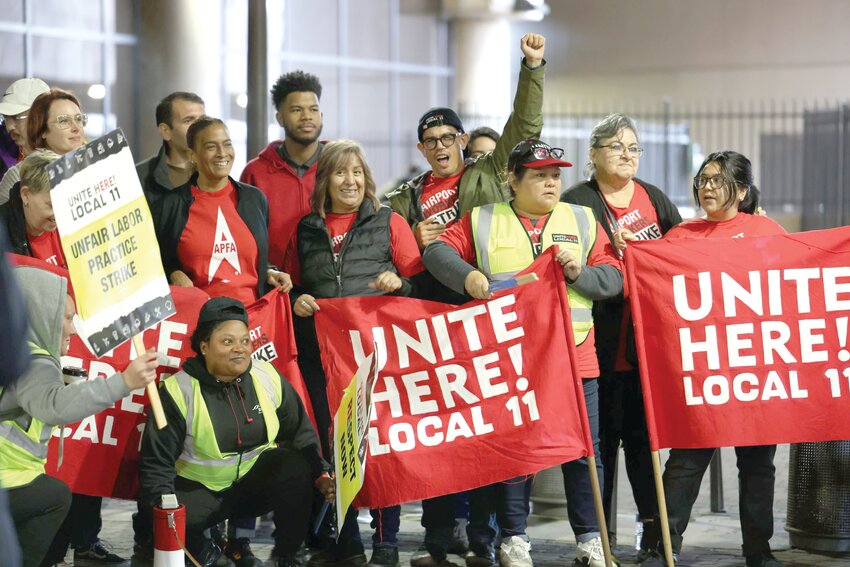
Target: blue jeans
<point x="580" y="509"/>
<point x="498" y="509"/>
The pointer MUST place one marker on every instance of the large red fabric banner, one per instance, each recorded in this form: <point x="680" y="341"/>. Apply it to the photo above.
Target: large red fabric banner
<point x="743" y="341"/>
<point x="488" y="389"/>
<point x="100" y="454"/>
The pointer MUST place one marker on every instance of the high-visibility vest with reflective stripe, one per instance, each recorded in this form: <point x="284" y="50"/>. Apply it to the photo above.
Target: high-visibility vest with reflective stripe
<point x="201" y="459"/>
<point x="503" y="248"/>
<point x="23" y="445"/>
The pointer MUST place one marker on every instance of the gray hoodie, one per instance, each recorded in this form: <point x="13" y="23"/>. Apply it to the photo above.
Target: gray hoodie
<point x="41" y="392"/>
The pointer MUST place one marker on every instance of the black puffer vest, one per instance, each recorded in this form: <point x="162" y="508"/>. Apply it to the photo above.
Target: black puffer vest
<point x="366" y="252"/>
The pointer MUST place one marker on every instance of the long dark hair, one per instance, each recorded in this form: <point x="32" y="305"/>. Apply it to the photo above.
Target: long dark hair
<point x="736" y="170"/>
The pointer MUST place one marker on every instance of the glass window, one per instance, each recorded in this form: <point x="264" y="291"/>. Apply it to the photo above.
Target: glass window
<point x="373" y="18"/>
<point x="75" y="14"/>
<point x="311" y="27"/>
<point x="420" y="39"/>
<point x="71" y="62"/>
<point x="11" y="58"/>
<point x="12" y="11"/>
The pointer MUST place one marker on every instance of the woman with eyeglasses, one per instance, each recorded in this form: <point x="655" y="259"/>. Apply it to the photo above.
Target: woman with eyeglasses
<point x="724" y="182"/>
<point x="54" y="122"/>
<point x="519" y="231"/>
<point x="621" y="201"/>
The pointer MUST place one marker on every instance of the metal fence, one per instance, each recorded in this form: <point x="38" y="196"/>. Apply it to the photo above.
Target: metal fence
<point x="800" y="151"/>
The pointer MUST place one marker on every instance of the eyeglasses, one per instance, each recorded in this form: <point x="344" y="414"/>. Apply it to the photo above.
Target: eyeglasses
<point x="716" y="181"/>
<point x="544" y="153"/>
<point x="446" y="140"/>
<point x="18" y="118"/>
<point x="619" y="149"/>
<point x="64" y="121"/>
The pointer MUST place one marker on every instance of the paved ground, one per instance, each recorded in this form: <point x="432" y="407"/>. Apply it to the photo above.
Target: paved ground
<point x="712" y="539"/>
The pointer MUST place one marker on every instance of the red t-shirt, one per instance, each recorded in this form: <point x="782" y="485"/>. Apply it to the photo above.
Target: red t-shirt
<point x="534" y="228"/>
<point x="405" y="251"/>
<point x="47" y="246"/>
<point x="459" y="237"/>
<point x="439" y="198"/>
<point x="640" y="218"/>
<point x="739" y="226"/>
<point x="217" y="250"/>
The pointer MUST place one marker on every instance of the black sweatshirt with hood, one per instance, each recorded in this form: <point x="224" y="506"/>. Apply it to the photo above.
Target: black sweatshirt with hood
<point x="238" y="424"/>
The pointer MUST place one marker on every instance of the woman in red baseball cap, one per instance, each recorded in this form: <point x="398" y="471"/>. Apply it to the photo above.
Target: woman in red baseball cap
<point x="493" y="243"/>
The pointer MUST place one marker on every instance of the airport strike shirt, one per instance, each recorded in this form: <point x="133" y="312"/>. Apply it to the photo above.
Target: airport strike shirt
<point x="46" y="246"/>
<point x="439" y="198"/>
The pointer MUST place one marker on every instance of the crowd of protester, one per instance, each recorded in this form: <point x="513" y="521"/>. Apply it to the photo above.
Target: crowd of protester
<point x="304" y="218"/>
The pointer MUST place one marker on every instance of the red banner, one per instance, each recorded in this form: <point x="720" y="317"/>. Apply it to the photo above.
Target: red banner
<point x="743" y="341"/>
<point x="489" y="388"/>
<point x="101" y="453"/>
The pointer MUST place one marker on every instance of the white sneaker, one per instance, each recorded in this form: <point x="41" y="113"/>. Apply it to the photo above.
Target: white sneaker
<point x="514" y="553"/>
<point x="589" y="553"/>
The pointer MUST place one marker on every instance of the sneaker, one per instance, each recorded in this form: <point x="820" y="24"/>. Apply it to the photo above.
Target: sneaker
<point x="460" y="541"/>
<point x="763" y="560"/>
<point x="96" y="555"/>
<point x="514" y="553"/>
<point x="589" y="554"/>
<point x="239" y="551"/>
<point x="480" y="559"/>
<point x="384" y="556"/>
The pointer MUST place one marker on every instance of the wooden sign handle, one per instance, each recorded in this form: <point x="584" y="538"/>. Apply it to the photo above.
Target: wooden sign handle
<point x="153" y="393"/>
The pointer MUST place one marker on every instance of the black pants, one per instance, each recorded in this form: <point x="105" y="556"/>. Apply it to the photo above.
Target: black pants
<point x="81" y="527"/>
<point x="683" y="474"/>
<point x="38" y="510"/>
<point x="438" y="519"/>
<point x="280" y="481"/>
<point x="622" y="418"/>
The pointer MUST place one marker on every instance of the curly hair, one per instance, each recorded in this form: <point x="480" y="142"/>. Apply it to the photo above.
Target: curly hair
<point x="295" y="82"/>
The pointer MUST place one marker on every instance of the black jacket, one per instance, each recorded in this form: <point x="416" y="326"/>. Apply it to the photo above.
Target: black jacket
<point x="161" y="447"/>
<point x="607" y="315"/>
<point x="366" y="252"/>
<point x="12" y="216"/>
<point x="171" y="212"/>
<point x="153" y="175"/>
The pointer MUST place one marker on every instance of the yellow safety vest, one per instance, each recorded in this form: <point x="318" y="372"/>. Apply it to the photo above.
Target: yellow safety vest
<point x="23" y="445"/>
<point x="503" y="248"/>
<point x="201" y="459"/>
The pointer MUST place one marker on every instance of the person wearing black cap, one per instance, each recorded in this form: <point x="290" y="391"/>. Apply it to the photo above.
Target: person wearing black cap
<point x="493" y="243"/>
<point x="433" y="201"/>
<point x="240" y="414"/>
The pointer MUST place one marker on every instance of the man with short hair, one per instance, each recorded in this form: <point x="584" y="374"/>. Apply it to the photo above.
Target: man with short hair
<point x="14" y="107"/>
<point x="285" y="171"/>
<point x="482" y="141"/>
<point x="434" y="200"/>
<point x="170" y="167"/>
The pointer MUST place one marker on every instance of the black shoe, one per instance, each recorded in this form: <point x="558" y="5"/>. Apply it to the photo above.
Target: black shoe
<point x="327" y="558"/>
<point x="655" y="559"/>
<point x="239" y="551"/>
<point x="763" y="560"/>
<point x="384" y="556"/>
<point x="97" y="554"/>
<point x="208" y="555"/>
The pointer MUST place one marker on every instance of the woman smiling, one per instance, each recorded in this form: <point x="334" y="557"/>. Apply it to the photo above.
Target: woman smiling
<point x="213" y="231"/>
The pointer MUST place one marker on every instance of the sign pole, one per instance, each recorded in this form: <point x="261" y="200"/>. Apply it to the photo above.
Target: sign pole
<point x="153" y="393"/>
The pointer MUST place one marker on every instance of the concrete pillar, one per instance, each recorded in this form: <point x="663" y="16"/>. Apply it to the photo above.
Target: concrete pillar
<point x="180" y="50"/>
<point x="483" y="67"/>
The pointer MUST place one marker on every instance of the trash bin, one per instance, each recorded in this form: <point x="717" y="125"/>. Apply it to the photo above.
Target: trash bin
<point x="547" y="494"/>
<point x="819" y="496"/>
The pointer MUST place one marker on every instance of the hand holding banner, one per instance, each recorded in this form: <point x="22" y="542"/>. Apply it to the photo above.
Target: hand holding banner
<point x="110" y="246"/>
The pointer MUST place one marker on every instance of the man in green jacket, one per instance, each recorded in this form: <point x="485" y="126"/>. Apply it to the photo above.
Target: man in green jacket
<point x="432" y="201"/>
